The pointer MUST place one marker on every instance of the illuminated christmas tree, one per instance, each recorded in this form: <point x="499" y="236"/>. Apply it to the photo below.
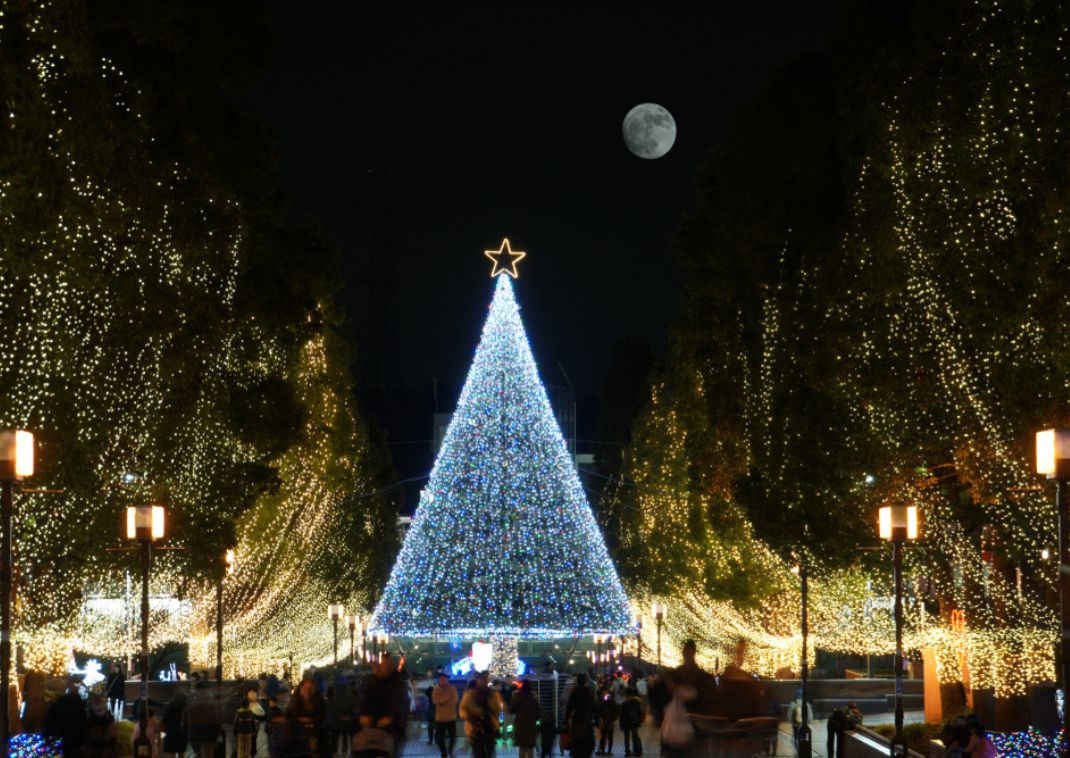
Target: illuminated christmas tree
<point x="503" y="542"/>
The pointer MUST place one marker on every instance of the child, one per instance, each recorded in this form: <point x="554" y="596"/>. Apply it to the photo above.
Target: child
<point x="245" y="724"/>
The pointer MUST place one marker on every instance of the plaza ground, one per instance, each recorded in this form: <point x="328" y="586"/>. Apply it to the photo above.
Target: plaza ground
<point x="417" y="747"/>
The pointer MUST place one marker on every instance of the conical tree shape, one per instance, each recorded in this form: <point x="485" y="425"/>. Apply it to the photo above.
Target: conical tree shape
<point x="503" y="540"/>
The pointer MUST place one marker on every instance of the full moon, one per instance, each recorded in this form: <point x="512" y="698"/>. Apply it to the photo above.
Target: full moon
<point x="649" y="130"/>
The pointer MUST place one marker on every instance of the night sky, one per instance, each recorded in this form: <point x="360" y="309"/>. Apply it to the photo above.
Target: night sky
<point x="416" y="140"/>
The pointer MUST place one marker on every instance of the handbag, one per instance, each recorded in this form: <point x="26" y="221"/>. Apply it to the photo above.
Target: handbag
<point x="676" y="728"/>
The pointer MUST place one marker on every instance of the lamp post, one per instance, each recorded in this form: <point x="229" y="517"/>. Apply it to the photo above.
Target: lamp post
<point x="803" y="740"/>
<point x="335" y="612"/>
<point x="16" y="464"/>
<point x="228" y="564"/>
<point x="898" y="523"/>
<point x="144" y="523"/>
<point x="351" y="622"/>
<point x="1053" y="460"/>
<point x="659" y="615"/>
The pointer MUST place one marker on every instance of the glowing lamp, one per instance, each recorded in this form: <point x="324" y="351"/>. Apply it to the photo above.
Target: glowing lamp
<point x="482" y="655"/>
<point x="352" y="622"/>
<point x="145" y="522"/>
<point x="898" y="523"/>
<point x="335" y="611"/>
<point x="228" y="560"/>
<point x="659" y="611"/>
<point x="1053" y="453"/>
<point x="16" y="455"/>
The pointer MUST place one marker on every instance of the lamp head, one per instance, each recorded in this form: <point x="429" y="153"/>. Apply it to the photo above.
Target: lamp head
<point x="16" y="455"/>
<point x="898" y="523"/>
<point x="145" y="522"/>
<point x="1053" y="453"/>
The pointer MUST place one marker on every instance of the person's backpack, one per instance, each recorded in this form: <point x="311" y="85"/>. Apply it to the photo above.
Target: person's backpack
<point x="484" y="724"/>
<point x="631" y="714"/>
<point x="838" y="719"/>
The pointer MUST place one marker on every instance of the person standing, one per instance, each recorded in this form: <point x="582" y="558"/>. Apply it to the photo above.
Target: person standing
<point x="116" y="690"/>
<point x="174" y="736"/>
<point x="525" y="709"/>
<point x="481" y="709"/>
<point x="66" y="720"/>
<point x="836" y="726"/>
<point x="201" y="721"/>
<point x="385" y="702"/>
<point x="547" y="735"/>
<point x="101" y="739"/>
<point x="579" y="719"/>
<point x="607" y="712"/>
<point x="631" y="718"/>
<point x="246" y="724"/>
<point x="444" y="700"/>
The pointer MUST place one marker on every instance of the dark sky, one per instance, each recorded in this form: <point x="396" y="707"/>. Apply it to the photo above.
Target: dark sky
<point x="418" y="139"/>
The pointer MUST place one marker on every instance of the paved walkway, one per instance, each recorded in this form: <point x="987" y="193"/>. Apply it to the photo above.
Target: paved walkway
<point x="417" y="747"/>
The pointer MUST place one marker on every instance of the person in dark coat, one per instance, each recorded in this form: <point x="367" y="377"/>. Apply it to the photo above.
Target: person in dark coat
<point x="606" y="711"/>
<point x="384" y="704"/>
<point x="547" y="735"/>
<point x="174" y="736"/>
<point x="579" y="718"/>
<point x="116" y="690"/>
<point x="66" y="721"/>
<point x="201" y="721"/>
<point x="308" y="705"/>
<point x="525" y="709"/>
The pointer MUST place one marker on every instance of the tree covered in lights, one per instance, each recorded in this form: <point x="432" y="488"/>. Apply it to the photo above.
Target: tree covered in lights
<point x="167" y="332"/>
<point x="503" y="541"/>
<point x="874" y="310"/>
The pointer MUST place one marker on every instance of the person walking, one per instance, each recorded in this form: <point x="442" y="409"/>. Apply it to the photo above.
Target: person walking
<point x="116" y="690"/>
<point x="631" y="718"/>
<point x="174" y="736"/>
<point x="579" y="719"/>
<point x="481" y="709"/>
<point x="444" y="699"/>
<point x="795" y="710"/>
<point x="525" y="709"/>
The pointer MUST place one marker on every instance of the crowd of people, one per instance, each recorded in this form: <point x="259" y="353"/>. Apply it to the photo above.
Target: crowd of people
<point x="368" y="716"/>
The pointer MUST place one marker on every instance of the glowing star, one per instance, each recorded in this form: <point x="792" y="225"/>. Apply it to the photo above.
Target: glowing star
<point x="511" y="258"/>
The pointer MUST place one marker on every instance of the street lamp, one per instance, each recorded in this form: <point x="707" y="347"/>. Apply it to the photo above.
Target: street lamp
<point x="144" y="523"/>
<point x="1053" y="460"/>
<point x="803" y="740"/>
<point x="16" y="464"/>
<point x="228" y="564"/>
<point x="351" y="622"/>
<point x="897" y="524"/>
<point x="334" y="613"/>
<point x="659" y="615"/>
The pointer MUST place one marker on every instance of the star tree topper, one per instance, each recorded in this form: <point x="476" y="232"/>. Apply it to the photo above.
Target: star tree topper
<point x="505" y="259"/>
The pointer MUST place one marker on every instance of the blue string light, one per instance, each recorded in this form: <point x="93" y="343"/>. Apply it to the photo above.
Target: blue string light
<point x="503" y="541"/>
